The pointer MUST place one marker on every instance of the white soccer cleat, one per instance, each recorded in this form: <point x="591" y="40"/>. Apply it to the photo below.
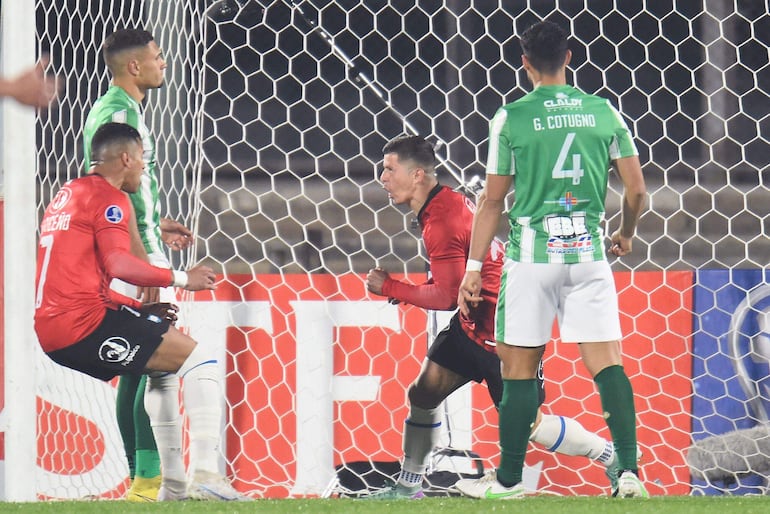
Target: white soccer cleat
<point x="488" y="488"/>
<point x="613" y="469"/>
<point x="213" y="487"/>
<point x="397" y="492"/>
<point x="629" y="486"/>
<point x="172" y="491"/>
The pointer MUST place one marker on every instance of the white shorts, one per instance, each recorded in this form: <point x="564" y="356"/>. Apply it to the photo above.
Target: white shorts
<point x="167" y="294"/>
<point x="582" y="297"/>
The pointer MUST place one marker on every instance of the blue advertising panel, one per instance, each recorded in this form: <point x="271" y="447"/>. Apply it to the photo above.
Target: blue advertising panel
<point x="731" y="377"/>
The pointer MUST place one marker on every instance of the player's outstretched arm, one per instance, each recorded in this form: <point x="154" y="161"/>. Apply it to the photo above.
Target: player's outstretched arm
<point x="31" y="87"/>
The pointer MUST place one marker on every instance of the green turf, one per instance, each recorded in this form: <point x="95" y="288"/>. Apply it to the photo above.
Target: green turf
<point x="540" y="505"/>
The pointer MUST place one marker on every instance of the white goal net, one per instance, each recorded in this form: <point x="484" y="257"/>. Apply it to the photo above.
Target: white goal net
<point x="270" y="128"/>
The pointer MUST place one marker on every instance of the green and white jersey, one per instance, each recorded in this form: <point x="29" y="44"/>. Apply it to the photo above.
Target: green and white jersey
<point x="116" y="105"/>
<point x="558" y="142"/>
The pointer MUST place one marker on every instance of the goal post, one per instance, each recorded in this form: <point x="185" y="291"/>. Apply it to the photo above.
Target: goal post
<point x="17" y="199"/>
<point x="270" y="128"/>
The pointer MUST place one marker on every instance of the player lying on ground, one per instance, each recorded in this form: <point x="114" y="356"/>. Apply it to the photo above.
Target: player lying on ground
<point x="83" y="324"/>
<point x="465" y="350"/>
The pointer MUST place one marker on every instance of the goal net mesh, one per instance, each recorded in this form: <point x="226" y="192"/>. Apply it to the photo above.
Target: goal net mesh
<point x="269" y="130"/>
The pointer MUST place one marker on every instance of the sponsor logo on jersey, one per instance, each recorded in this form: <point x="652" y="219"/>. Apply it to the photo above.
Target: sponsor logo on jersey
<point x="568" y="201"/>
<point x="114" y="349"/>
<point x="580" y="244"/>
<point x="113" y="214"/>
<point x="118" y="350"/>
<point x="562" y="101"/>
<point x="61" y="198"/>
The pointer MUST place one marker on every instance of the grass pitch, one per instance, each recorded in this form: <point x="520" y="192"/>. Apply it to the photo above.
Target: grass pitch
<point x="537" y="505"/>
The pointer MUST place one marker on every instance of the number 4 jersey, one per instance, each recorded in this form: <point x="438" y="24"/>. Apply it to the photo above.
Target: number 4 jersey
<point x="559" y="143"/>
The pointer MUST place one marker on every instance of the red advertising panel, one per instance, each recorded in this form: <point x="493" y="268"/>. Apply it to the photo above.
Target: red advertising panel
<point x="317" y="371"/>
<point x="656" y="314"/>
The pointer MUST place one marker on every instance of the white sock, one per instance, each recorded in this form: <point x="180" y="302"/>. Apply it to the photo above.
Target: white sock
<point x="203" y="405"/>
<point x="567" y="436"/>
<point x="421" y="433"/>
<point x="161" y="401"/>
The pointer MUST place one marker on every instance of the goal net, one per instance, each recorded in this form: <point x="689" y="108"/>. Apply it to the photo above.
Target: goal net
<point x="270" y="128"/>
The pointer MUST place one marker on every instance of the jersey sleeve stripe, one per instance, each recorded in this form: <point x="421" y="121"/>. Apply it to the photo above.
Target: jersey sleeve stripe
<point x="614" y="150"/>
<point x="496" y="128"/>
<point x="119" y="116"/>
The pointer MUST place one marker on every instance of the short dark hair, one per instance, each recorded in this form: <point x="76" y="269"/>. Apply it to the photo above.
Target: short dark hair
<point x="111" y="134"/>
<point x="124" y="39"/>
<point x="545" y="45"/>
<point x="413" y="148"/>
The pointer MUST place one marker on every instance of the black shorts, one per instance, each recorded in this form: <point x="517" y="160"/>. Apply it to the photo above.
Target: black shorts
<point x="122" y="344"/>
<point x="457" y="352"/>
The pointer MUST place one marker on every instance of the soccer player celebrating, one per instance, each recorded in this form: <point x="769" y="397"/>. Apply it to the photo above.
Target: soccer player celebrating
<point x="83" y="324"/>
<point x="136" y="64"/>
<point x="465" y="350"/>
<point x="559" y="142"/>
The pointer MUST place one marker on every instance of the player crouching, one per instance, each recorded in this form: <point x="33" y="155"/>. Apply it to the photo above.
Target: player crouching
<point x="84" y="325"/>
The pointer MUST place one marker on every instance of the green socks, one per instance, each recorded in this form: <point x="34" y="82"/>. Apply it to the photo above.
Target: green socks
<point x="135" y="429"/>
<point x="619" y="413"/>
<point x="147" y="463"/>
<point x="147" y="459"/>
<point x="518" y="410"/>
<point x="124" y="412"/>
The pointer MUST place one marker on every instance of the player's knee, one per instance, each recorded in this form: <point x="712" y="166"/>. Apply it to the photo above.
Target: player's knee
<point x="422" y="396"/>
<point x="161" y="399"/>
<point x="162" y="381"/>
<point x="201" y="357"/>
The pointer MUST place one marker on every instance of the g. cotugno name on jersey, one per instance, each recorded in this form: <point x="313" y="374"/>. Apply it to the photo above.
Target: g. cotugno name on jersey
<point x="560" y="121"/>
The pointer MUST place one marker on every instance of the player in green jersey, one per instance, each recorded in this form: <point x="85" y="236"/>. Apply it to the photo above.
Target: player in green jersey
<point x="559" y="143"/>
<point x="137" y="65"/>
<point x="122" y="103"/>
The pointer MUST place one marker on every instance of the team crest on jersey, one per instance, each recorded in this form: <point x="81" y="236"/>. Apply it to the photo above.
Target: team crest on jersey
<point x="113" y="214"/>
<point x="61" y="198"/>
